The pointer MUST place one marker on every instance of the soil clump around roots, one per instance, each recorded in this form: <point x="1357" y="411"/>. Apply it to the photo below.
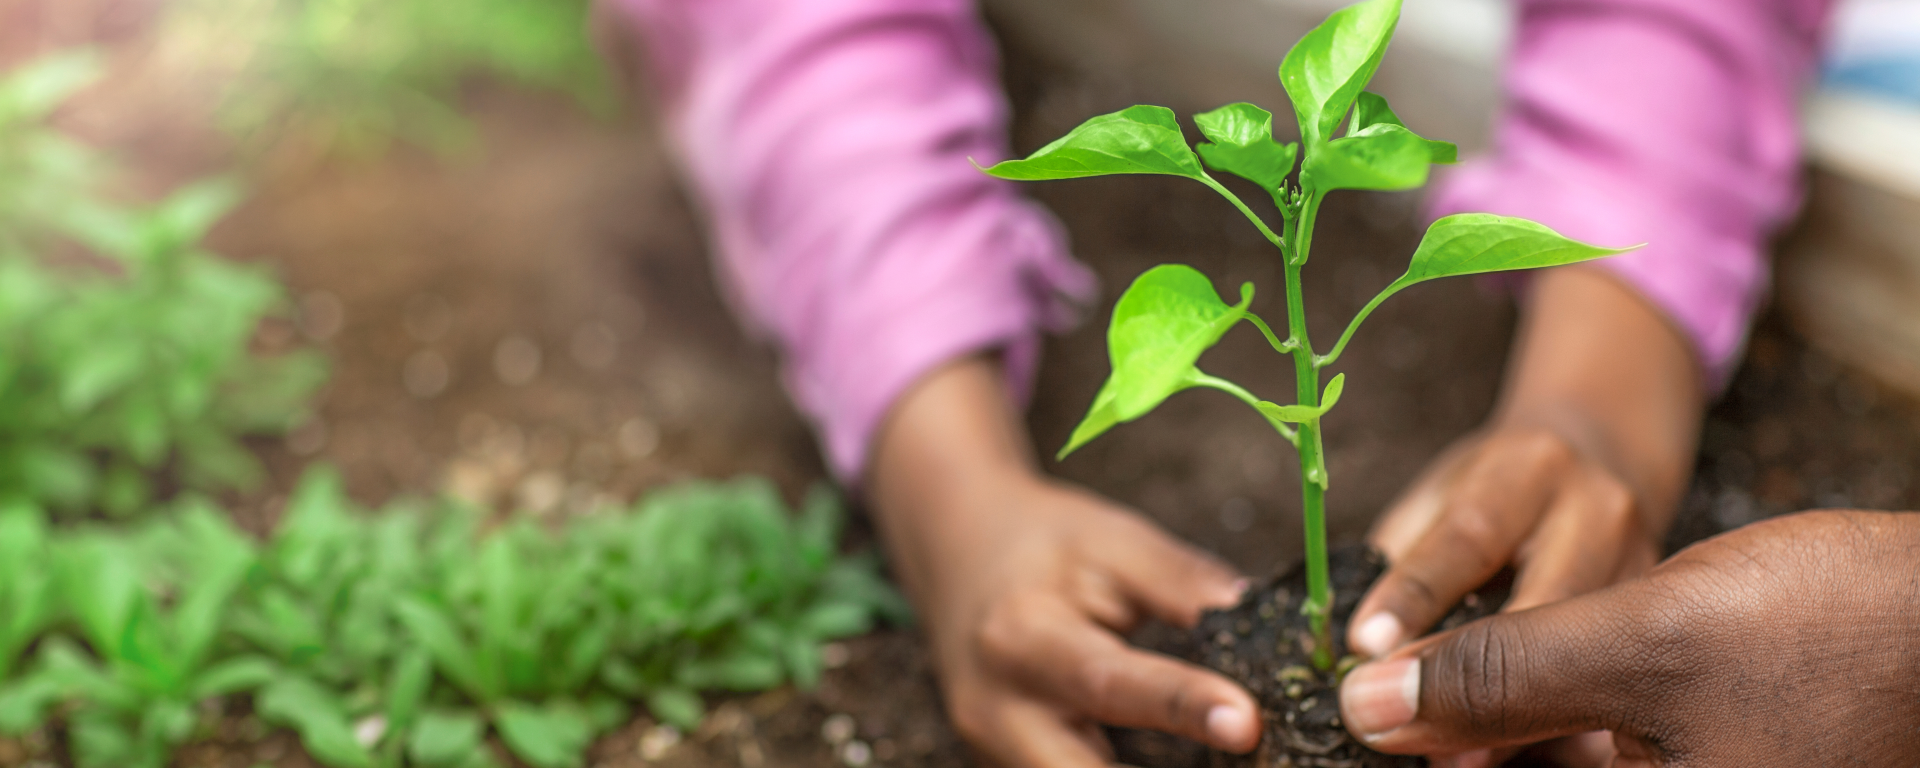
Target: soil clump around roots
<point x="1266" y="644"/>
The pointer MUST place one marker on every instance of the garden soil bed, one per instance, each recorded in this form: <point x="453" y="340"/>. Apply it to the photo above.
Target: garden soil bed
<point x="536" y="326"/>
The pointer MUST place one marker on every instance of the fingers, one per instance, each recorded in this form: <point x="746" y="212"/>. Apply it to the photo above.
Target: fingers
<point x="1515" y="678"/>
<point x="1079" y="664"/>
<point x="1490" y="506"/>
<point x="1165" y="577"/>
<point x="1591" y="530"/>
<point x="1029" y="734"/>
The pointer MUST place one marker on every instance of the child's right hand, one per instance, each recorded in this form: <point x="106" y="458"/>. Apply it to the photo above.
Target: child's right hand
<point x="1573" y="481"/>
<point x="1025" y="586"/>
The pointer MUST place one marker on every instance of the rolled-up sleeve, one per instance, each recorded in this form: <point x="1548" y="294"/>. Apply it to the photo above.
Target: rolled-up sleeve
<point x="1665" y="122"/>
<point x="831" y="145"/>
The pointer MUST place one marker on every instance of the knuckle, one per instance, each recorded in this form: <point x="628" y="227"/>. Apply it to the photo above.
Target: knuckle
<point x="1475" y="674"/>
<point x="1541" y="448"/>
<point x="1097" y="679"/>
<point x="1008" y="628"/>
<point x="1474" y="534"/>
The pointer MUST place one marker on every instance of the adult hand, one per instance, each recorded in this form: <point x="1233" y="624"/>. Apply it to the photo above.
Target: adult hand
<point x="1573" y="481"/>
<point x="1026" y="585"/>
<point x="1792" y="642"/>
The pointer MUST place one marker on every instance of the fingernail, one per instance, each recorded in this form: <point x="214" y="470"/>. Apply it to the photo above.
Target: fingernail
<point x="1378" y="635"/>
<point x="1235" y="591"/>
<point x="1228" y="725"/>
<point x="1378" y="698"/>
<point x="1479" y="758"/>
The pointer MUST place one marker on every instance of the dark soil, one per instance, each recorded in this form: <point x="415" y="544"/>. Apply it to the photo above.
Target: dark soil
<point x="1266" y="643"/>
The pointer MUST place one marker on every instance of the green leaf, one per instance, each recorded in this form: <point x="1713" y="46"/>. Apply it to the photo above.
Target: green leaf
<point x="445" y="739"/>
<point x="431" y="628"/>
<point x="320" y="719"/>
<point x="233" y="676"/>
<point x="676" y="706"/>
<point x="24" y="702"/>
<point x="1162" y="323"/>
<point x="1242" y="144"/>
<point x="553" y="736"/>
<point x="412" y="679"/>
<point x="1372" y="110"/>
<point x="1298" y="414"/>
<point x="1473" y="243"/>
<point x="1381" y="157"/>
<point x="1328" y="68"/>
<point x="34" y="90"/>
<point x="1139" y="139"/>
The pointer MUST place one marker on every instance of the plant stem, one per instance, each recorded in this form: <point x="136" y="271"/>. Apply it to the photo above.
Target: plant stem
<point x="1313" y="466"/>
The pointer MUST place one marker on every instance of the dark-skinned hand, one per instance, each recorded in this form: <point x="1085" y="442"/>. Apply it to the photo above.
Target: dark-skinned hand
<point x="1792" y="642"/>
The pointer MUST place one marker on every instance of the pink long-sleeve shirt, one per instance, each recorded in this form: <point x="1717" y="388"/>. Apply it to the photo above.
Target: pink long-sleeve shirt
<point x="829" y="142"/>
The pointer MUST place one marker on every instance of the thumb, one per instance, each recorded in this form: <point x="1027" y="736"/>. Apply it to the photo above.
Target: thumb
<point x="1517" y="678"/>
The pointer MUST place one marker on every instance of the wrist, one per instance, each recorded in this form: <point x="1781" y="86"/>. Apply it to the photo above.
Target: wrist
<point x="1603" y="369"/>
<point x="948" y="455"/>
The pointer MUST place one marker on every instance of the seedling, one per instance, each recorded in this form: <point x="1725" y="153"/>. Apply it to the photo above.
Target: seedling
<point x="126" y="343"/>
<point x="1171" y="314"/>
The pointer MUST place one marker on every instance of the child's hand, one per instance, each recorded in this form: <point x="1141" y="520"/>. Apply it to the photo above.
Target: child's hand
<point x="1574" y="480"/>
<point x="1789" y="642"/>
<point x="1025" y="585"/>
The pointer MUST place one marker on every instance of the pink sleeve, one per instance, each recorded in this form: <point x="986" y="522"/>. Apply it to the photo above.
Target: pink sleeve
<point x="828" y="142"/>
<point x="1666" y="122"/>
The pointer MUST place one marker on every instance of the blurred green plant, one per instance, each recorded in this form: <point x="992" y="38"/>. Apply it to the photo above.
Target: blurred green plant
<point x="360" y="73"/>
<point x="406" y="637"/>
<point x="123" y="343"/>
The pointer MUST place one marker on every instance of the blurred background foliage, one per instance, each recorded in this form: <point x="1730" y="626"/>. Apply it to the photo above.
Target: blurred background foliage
<point x="362" y="73"/>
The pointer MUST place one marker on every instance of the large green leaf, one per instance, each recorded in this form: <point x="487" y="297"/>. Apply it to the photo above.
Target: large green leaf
<point x="1140" y="139"/>
<point x="1162" y="323"/>
<point x="1381" y="157"/>
<point x="1371" y="109"/>
<point x="1328" y="68"/>
<point x="1241" y="143"/>
<point x="1472" y="243"/>
<point x="551" y="736"/>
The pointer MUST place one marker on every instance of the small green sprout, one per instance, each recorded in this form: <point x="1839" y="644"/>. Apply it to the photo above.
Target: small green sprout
<point x="1171" y="314"/>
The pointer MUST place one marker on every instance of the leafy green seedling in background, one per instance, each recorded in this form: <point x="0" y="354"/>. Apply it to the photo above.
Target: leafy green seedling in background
<point x="717" y="587"/>
<point x="359" y="74"/>
<point x="1171" y="314"/>
<point x="151" y="608"/>
<point x="126" y="360"/>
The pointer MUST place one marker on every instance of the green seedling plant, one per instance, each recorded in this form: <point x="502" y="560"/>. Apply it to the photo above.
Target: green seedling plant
<point x="1172" y="314"/>
<point x="150" y="607"/>
<point x="717" y="587"/>
<point x="127" y="363"/>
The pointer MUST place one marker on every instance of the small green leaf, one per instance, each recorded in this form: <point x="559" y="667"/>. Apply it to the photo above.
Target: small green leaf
<point x="1298" y="414"/>
<point x="1372" y="110"/>
<point x="412" y="678"/>
<point x="24" y="702"/>
<point x="37" y="88"/>
<point x="320" y="719"/>
<point x="553" y="736"/>
<point x="1162" y="323"/>
<point x="233" y="676"/>
<point x="1140" y="139"/>
<point x="1381" y="157"/>
<point x="1242" y="144"/>
<point x="1328" y="68"/>
<point x="1472" y="243"/>
<point x="677" y="706"/>
<point x="445" y="739"/>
